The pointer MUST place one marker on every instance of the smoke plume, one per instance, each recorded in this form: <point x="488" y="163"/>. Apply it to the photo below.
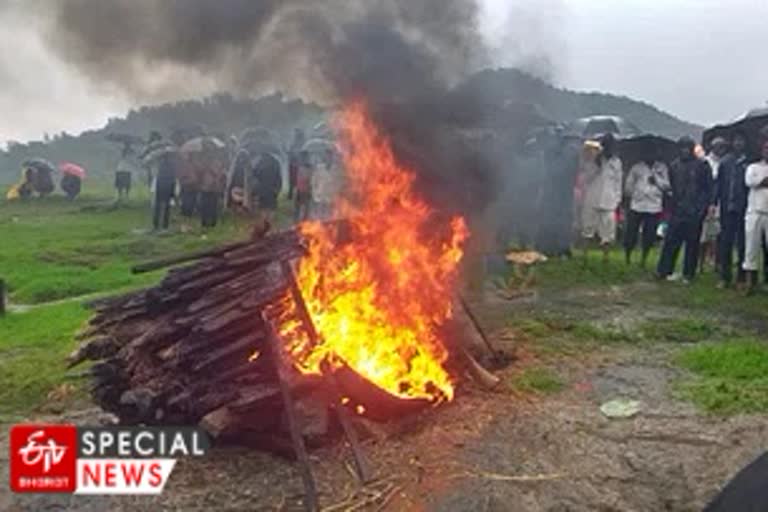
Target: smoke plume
<point x="324" y="48"/>
<point x="402" y="56"/>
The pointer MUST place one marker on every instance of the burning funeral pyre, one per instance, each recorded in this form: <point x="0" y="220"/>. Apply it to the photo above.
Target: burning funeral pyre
<point x="353" y="316"/>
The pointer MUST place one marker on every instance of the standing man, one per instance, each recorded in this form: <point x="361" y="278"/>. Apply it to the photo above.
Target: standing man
<point x="731" y="194"/>
<point x="756" y="226"/>
<point x="302" y="188"/>
<point x="269" y="181"/>
<point x="189" y="174"/>
<point x="324" y="187"/>
<point x="211" y="182"/>
<point x="126" y="167"/>
<point x="294" y="160"/>
<point x="602" y="183"/>
<point x="165" y="188"/>
<point x="154" y="143"/>
<point x="691" y="192"/>
<point x="710" y="232"/>
<point x="645" y="187"/>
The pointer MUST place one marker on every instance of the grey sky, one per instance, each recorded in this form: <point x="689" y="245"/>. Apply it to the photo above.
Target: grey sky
<point x="702" y="60"/>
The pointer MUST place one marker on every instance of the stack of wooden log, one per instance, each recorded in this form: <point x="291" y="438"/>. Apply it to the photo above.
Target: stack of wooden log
<point x="192" y="349"/>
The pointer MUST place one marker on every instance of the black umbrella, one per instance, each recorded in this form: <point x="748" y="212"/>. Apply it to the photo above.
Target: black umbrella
<point x="42" y="178"/>
<point x="258" y="140"/>
<point x="632" y="150"/>
<point x="595" y="126"/>
<point x="39" y="164"/>
<point x="753" y="124"/>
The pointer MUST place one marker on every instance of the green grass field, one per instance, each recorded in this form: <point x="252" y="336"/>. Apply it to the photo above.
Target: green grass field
<point x="33" y="346"/>
<point x="54" y="249"/>
<point x="729" y="377"/>
<point x="56" y="253"/>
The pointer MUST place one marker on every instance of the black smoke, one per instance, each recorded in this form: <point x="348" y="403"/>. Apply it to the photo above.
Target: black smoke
<point x="325" y="47"/>
<point x="402" y="56"/>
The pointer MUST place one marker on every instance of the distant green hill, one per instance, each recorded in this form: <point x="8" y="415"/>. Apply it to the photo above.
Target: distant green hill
<point x="221" y="114"/>
<point x="225" y="115"/>
<point x="562" y="105"/>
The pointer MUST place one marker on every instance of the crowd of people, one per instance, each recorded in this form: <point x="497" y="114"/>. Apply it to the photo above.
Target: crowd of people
<point x="205" y="175"/>
<point x="708" y="206"/>
<point x="712" y="207"/>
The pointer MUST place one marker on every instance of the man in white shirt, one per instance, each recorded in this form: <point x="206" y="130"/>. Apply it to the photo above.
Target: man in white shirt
<point x="645" y="187"/>
<point x="602" y="195"/>
<point x="756" y="222"/>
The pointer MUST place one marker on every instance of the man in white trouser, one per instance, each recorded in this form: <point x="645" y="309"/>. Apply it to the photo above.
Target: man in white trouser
<point x="756" y="227"/>
<point x="602" y="195"/>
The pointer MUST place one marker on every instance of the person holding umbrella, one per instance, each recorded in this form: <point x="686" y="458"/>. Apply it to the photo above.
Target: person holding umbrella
<point x="646" y="184"/>
<point x="691" y="198"/>
<point x="211" y="179"/>
<point x="72" y="179"/>
<point x="162" y="157"/>
<point x="154" y="147"/>
<point x="710" y="232"/>
<point x="602" y="195"/>
<point x="269" y="182"/>
<point x="731" y="195"/>
<point x="164" y="190"/>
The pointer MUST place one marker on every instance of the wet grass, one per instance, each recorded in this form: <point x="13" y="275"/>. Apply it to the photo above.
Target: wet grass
<point x="53" y="249"/>
<point x="33" y="346"/>
<point x="728" y="365"/>
<point x="681" y="330"/>
<point x="592" y="271"/>
<point x="569" y="333"/>
<point x="701" y="296"/>
<point x="728" y="377"/>
<point x="538" y="380"/>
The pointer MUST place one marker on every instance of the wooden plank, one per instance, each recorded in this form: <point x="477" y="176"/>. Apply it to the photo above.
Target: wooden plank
<point x="311" y="503"/>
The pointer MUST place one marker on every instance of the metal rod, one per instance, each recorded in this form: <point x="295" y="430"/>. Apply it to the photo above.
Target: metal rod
<point x="311" y="503"/>
<point x="2" y="297"/>
<point x="362" y="467"/>
<point x="477" y="325"/>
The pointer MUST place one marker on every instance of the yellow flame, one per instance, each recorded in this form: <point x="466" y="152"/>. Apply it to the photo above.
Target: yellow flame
<point x="378" y="297"/>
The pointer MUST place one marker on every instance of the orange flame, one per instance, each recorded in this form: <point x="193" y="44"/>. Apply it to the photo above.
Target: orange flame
<point x="378" y="297"/>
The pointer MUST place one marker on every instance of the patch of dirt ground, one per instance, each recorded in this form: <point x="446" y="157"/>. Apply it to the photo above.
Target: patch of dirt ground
<point x="489" y="451"/>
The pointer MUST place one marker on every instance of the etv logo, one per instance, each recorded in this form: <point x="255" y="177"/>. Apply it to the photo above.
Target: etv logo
<point x="43" y="458"/>
<point x="48" y="453"/>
